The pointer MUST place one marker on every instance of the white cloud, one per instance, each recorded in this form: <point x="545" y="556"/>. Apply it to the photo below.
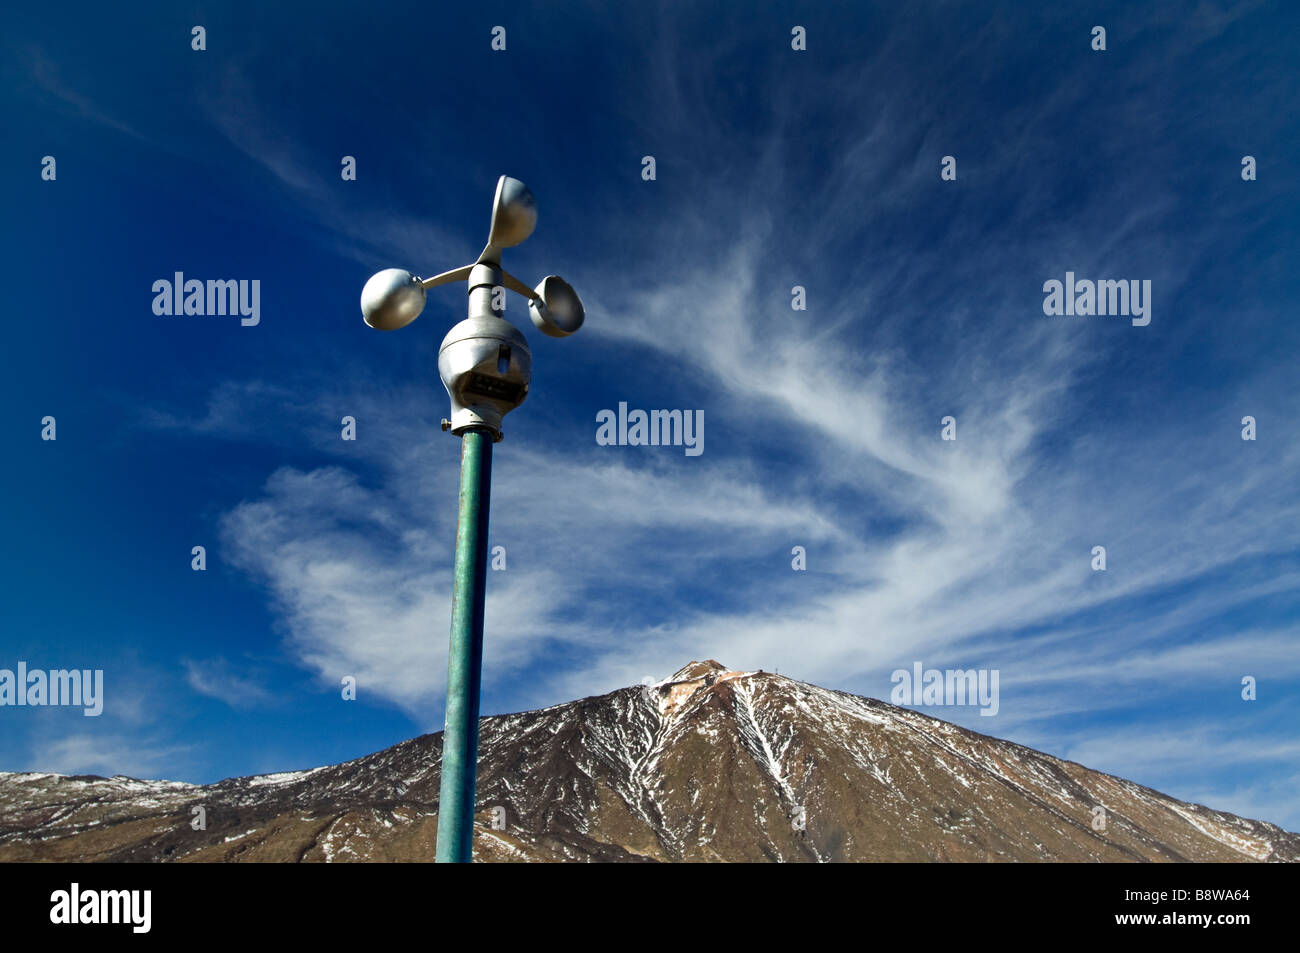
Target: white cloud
<point x="986" y="537"/>
<point x="214" y="678"/>
<point x="97" y="754"/>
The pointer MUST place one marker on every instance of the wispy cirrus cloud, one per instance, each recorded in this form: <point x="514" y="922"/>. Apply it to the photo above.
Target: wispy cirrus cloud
<point x="87" y="753"/>
<point x="216" y="678"/>
<point x="824" y="424"/>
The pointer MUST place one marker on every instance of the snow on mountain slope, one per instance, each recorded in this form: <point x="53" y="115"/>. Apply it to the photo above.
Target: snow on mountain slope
<point x="709" y="764"/>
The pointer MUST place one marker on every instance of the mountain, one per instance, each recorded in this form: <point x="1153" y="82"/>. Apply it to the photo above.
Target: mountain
<point x="707" y="765"/>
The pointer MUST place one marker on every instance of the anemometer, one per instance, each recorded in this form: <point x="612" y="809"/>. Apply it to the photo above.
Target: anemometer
<point x="484" y="361"/>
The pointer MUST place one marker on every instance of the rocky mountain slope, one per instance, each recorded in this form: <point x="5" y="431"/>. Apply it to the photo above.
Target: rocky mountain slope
<point x="708" y="765"/>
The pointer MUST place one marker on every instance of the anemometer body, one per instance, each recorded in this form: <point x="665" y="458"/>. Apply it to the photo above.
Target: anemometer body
<point x="484" y="361"/>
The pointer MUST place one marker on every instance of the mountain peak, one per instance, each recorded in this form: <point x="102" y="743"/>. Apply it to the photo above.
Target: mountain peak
<point x="698" y="670"/>
<point x="710" y="764"/>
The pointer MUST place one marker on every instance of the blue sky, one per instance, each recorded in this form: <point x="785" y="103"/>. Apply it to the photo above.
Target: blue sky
<point x="775" y="168"/>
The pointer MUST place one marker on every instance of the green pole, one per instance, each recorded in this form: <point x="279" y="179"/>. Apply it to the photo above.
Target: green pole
<point x="465" y="662"/>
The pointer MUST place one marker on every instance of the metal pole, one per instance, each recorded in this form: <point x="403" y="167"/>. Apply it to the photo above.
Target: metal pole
<point x="465" y="663"/>
<point x="485" y="365"/>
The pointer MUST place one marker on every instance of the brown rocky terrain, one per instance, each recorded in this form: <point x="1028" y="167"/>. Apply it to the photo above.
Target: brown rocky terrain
<point x="708" y="765"/>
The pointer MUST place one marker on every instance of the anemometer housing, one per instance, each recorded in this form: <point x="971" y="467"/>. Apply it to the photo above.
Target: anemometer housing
<point x="484" y="361"/>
